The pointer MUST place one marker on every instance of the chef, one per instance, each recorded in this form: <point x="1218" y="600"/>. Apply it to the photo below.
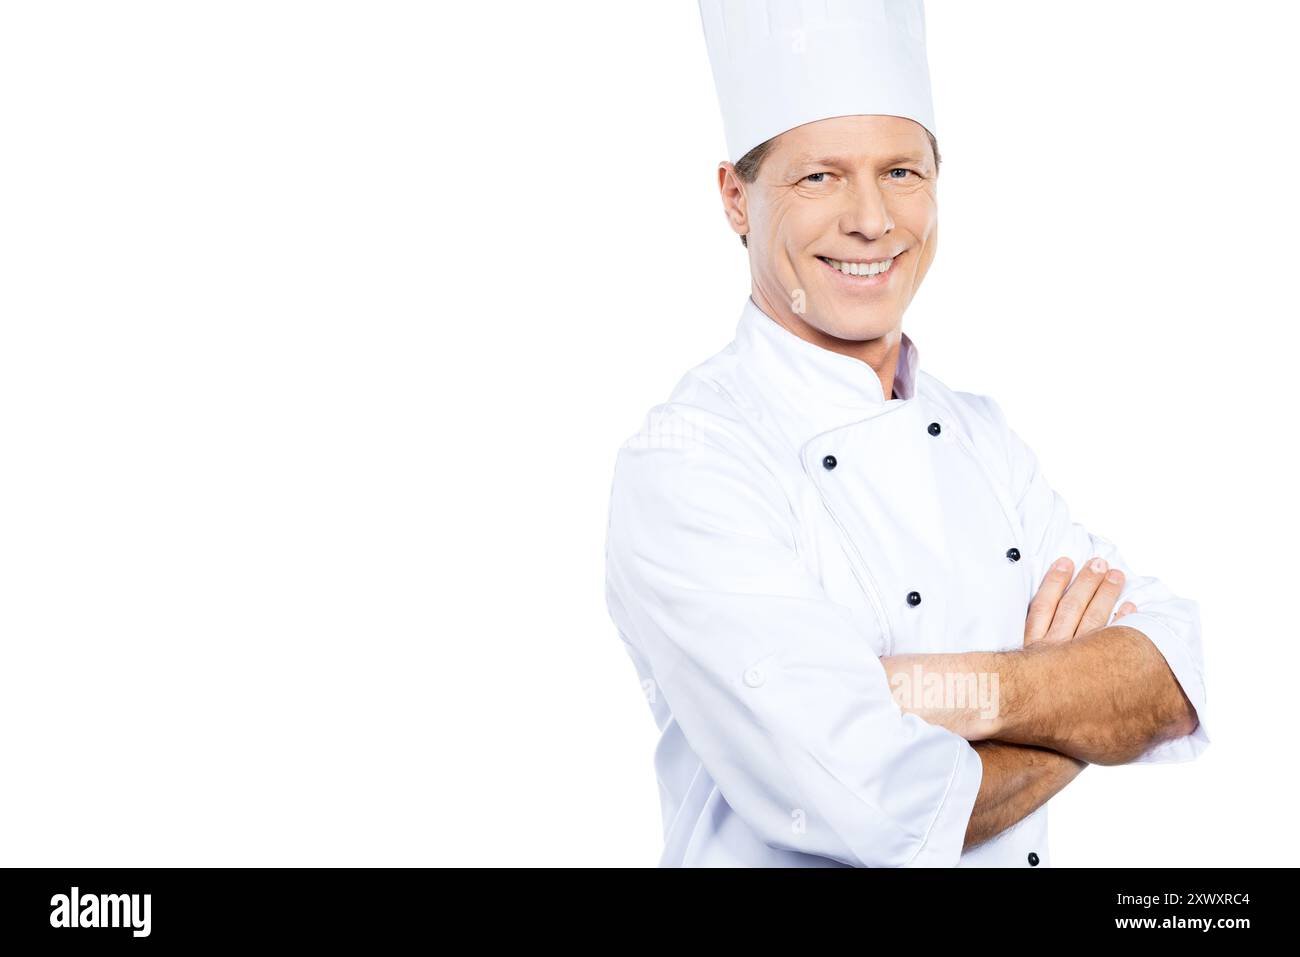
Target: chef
<point x="867" y="628"/>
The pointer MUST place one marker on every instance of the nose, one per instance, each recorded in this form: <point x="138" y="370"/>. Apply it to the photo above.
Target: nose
<point x="867" y="214"/>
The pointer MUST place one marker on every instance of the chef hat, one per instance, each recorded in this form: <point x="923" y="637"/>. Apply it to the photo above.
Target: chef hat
<point x="779" y="64"/>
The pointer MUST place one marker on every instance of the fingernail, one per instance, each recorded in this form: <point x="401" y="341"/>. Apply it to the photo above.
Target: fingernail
<point x="1098" y="565"/>
<point x="1062" y="565"/>
<point x="1115" y="576"/>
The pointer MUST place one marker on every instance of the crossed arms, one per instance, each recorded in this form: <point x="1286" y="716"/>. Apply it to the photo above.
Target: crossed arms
<point x="1079" y="692"/>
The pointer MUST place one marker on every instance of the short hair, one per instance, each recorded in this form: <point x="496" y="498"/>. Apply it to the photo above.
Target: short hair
<point x="747" y="166"/>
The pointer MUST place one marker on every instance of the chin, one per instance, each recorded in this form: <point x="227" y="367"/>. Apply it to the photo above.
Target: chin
<point x="850" y="321"/>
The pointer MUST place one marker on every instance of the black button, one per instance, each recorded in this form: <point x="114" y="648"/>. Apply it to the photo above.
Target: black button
<point x="1013" y="554"/>
<point x="914" y="598"/>
<point x="934" y="428"/>
<point x="1033" y="859"/>
<point x="829" y="462"/>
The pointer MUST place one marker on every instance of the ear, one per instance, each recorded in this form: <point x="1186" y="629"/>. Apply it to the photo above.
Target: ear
<point x="733" y="198"/>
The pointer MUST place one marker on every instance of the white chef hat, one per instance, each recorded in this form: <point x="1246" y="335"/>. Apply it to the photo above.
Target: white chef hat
<point x="778" y="64"/>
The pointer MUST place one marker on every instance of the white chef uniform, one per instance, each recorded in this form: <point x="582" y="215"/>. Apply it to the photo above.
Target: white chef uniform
<point x="775" y="528"/>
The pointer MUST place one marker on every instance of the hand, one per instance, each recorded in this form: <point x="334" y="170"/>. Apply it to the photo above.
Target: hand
<point x="1058" y="614"/>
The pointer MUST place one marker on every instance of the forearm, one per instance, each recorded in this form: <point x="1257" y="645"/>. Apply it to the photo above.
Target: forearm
<point x="1018" y="780"/>
<point x="1104" y="697"/>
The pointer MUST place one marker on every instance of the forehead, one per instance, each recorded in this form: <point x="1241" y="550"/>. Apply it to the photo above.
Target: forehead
<point x="854" y="140"/>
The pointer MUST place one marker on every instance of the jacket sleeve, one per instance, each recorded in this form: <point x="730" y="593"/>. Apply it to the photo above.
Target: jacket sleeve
<point x="774" y="687"/>
<point x="1171" y="622"/>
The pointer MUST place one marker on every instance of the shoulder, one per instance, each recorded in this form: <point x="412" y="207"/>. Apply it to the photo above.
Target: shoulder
<point x="707" y="408"/>
<point x="694" y="466"/>
<point x="697" y="441"/>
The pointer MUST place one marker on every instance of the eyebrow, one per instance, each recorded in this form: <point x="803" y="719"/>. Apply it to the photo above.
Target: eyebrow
<point x="914" y="158"/>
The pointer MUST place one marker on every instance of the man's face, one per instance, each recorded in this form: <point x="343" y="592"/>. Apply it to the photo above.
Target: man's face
<point x="832" y="196"/>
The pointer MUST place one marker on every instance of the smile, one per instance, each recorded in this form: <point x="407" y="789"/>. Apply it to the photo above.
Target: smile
<point x="864" y="270"/>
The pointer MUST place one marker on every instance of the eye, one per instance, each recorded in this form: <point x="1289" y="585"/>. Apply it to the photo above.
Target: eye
<point x="900" y="169"/>
<point x="815" y="178"/>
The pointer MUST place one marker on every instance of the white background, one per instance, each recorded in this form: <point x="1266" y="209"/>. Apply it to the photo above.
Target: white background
<point x="321" y="324"/>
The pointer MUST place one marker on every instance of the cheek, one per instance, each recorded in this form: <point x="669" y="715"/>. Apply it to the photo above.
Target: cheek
<point x="802" y="226"/>
<point x="784" y="230"/>
<point x="920" y="221"/>
<point x="928" y="258"/>
<point x="930" y="244"/>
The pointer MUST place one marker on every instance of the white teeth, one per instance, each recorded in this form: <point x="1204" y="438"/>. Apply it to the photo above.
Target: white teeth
<point x="860" y="269"/>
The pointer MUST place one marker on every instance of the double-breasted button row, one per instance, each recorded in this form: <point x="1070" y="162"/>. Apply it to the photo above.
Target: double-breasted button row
<point x="914" y="597"/>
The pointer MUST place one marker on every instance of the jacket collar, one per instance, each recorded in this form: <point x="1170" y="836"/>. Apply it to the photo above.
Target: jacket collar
<point x="818" y="389"/>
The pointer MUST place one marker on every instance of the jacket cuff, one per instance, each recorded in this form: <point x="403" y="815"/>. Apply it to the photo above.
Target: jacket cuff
<point x="1184" y="662"/>
<point x="944" y="841"/>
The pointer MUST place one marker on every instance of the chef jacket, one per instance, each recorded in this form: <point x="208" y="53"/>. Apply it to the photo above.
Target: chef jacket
<point x="774" y="529"/>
